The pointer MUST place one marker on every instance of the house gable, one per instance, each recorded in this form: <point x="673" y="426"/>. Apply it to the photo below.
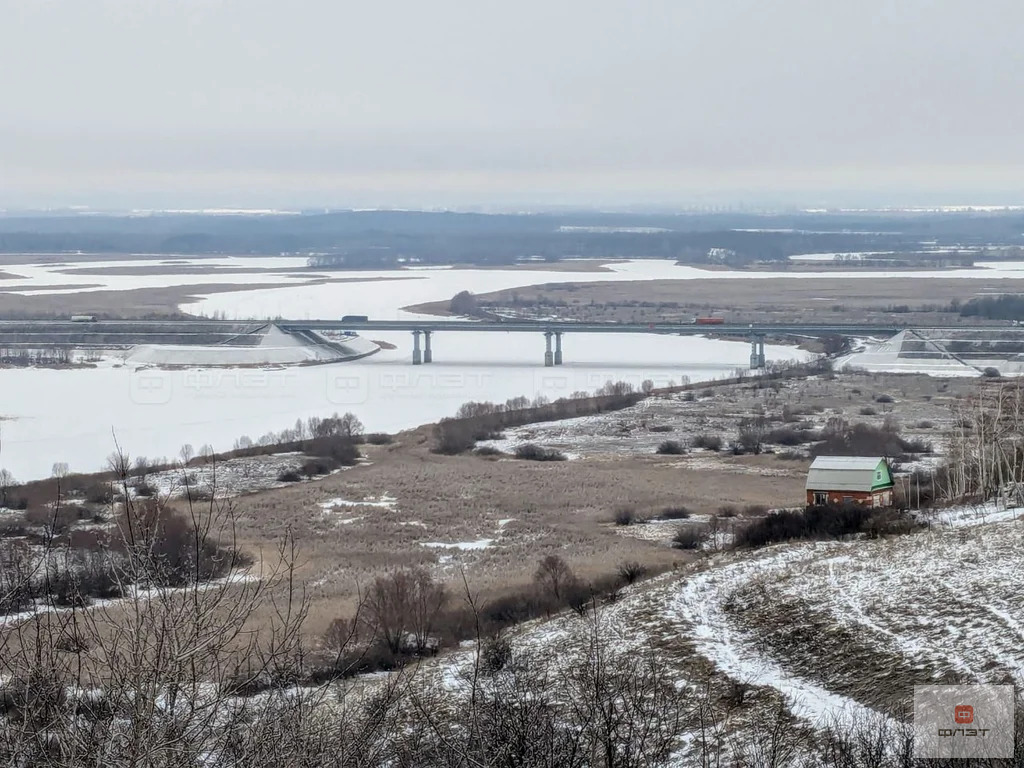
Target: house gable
<point x="883" y="476"/>
<point x="862" y="474"/>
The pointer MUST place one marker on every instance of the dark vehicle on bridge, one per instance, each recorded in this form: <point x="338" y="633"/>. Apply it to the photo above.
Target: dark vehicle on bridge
<point x="709" y="321"/>
<point x="354" y="319"/>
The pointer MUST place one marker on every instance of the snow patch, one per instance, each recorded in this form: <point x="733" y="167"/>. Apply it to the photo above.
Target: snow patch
<point x="461" y="545"/>
<point x="384" y="501"/>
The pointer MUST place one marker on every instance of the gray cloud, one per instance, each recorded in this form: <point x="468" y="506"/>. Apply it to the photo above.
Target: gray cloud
<point x="456" y="102"/>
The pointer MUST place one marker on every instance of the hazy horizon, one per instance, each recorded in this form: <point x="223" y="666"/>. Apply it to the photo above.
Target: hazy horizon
<point x="224" y="103"/>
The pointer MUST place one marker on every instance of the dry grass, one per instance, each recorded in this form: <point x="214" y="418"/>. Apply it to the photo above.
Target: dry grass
<point x="562" y="508"/>
<point x="781" y="299"/>
<point x="141" y="302"/>
<point x="533" y="509"/>
<point x="552" y="508"/>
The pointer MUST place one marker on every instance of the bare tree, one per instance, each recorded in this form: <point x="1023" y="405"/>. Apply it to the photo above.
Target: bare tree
<point x="554" y="577"/>
<point x="752" y="431"/>
<point x="403" y="609"/>
<point x="7" y="482"/>
<point x="350" y="426"/>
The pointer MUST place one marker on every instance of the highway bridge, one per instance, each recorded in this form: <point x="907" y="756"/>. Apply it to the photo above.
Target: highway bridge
<point x="553" y="330"/>
<point x="123" y="333"/>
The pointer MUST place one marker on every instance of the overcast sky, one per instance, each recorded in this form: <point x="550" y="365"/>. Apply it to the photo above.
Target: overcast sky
<point x="429" y="103"/>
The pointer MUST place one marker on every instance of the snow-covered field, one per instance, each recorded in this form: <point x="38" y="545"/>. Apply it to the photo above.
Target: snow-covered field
<point x="226" y="478"/>
<point x="75" y="416"/>
<point x="75" y="277"/>
<point x="929" y="606"/>
<point x="942" y="602"/>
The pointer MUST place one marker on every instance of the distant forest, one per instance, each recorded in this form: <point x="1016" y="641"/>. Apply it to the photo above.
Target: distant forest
<point x="1007" y="306"/>
<point x="359" y="239"/>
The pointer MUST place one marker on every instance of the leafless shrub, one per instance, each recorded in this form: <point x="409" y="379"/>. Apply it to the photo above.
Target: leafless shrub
<point x="402" y="608"/>
<point x="677" y="512"/>
<point x="708" y="442"/>
<point x="688" y="537"/>
<point x="167" y="547"/>
<point x="99" y="493"/>
<point x="318" y="466"/>
<point x="496" y="655"/>
<point x="145" y="490"/>
<point x="752" y="433"/>
<point x="625" y="516"/>
<point x="532" y="452"/>
<point x="671" y="447"/>
<point x="631" y="571"/>
<point x="453" y="436"/>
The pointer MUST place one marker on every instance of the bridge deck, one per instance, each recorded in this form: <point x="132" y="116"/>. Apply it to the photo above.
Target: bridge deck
<point x="65" y="330"/>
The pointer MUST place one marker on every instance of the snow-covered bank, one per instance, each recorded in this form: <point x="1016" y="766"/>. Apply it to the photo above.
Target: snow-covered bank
<point x="903" y="353"/>
<point x="275" y="347"/>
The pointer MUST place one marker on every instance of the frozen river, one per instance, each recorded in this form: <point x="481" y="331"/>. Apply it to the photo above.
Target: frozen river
<point x="75" y="416"/>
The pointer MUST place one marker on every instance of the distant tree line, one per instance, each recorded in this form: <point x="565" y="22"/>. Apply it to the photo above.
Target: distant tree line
<point x="483" y="421"/>
<point x="380" y="239"/>
<point x="1007" y="306"/>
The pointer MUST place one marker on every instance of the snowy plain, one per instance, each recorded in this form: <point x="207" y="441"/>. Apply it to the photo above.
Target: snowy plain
<point x="79" y="416"/>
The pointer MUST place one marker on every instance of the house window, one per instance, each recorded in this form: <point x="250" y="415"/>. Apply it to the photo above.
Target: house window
<point x="847" y="499"/>
<point x="820" y="497"/>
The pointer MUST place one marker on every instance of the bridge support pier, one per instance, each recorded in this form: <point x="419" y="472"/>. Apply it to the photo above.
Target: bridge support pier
<point x="428" y="355"/>
<point x="417" y="356"/>
<point x="558" y="347"/>
<point x="549" y="358"/>
<point x="757" y="361"/>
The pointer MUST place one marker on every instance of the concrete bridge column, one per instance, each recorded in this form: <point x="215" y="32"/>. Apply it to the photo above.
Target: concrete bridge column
<point x="428" y="355"/>
<point x="558" y="347"/>
<point x="753" y="353"/>
<point x="417" y="356"/>
<point x="760" y="352"/>
<point x="549" y="359"/>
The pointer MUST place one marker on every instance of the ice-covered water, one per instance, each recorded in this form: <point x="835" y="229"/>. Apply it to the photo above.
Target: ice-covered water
<point x="384" y="300"/>
<point x="75" y="416"/>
